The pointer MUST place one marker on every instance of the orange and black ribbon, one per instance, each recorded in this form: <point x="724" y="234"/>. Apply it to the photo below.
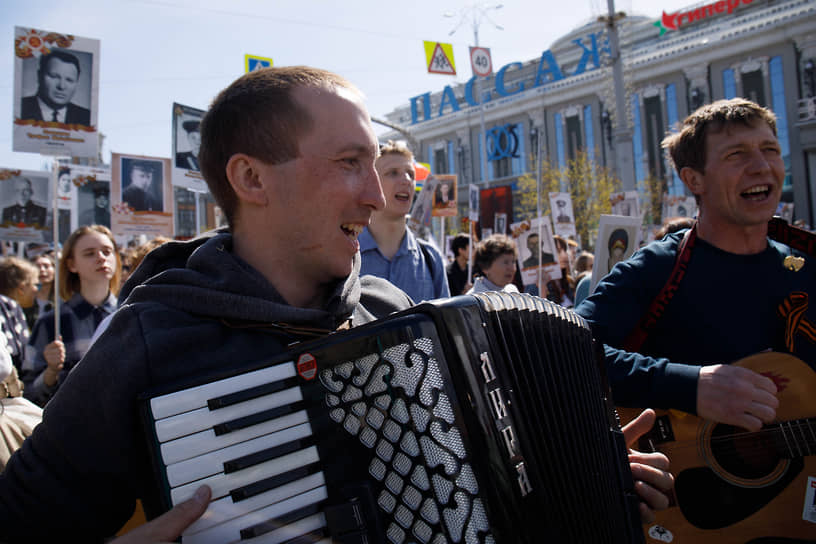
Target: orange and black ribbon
<point x="792" y="310"/>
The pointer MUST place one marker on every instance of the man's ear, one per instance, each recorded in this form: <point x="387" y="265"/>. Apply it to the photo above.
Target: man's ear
<point x="245" y="174"/>
<point x="692" y="179"/>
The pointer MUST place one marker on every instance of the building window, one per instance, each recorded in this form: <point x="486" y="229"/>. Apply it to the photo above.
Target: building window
<point x="559" y="141"/>
<point x="653" y="117"/>
<point x="501" y="168"/>
<point x="637" y="139"/>
<point x="520" y="160"/>
<point x="590" y="133"/>
<point x="440" y="161"/>
<point x="753" y="87"/>
<point x="729" y="84"/>
<point x="185" y="213"/>
<point x="481" y="157"/>
<point x="574" y="141"/>
<point x="780" y="109"/>
<point x="676" y="187"/>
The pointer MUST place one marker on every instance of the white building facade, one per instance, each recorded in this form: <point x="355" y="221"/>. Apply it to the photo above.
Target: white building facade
<point x="564" y="101"/>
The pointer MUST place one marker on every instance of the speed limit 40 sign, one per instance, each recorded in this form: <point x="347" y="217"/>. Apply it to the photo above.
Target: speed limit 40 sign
<point x="480" y="61"/>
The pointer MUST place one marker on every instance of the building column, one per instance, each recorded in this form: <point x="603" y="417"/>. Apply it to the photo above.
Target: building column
<point x="464" y="154"/>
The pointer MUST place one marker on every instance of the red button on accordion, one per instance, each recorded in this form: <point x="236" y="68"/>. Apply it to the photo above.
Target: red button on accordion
<point x="474" y="419"/>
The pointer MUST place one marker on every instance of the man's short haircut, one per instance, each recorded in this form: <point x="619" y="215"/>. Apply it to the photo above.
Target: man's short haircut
<point x="14" y="272"/>
<point x="257" y="115"/>
<point x="460" y="241"/>
<point x="396" y="147"/>
<point x="25" y="180"/>
<point x="493" y="247"/>
<point x="59" y="54"/>
<point x="145" y="166"/>
<point x="687" y="148"/>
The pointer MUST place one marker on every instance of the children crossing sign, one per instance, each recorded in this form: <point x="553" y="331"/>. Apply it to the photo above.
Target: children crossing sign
<point x="254" y="62"/>
<point x="439" y="58"/>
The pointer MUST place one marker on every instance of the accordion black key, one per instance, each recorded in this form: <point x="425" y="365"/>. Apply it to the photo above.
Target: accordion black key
<point x="476" y="419"/>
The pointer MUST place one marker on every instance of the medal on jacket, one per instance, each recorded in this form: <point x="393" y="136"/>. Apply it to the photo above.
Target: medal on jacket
<point x="794" y="264"/>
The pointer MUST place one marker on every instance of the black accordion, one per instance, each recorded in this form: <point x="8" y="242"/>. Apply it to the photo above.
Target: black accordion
<point x="475" y="419"/>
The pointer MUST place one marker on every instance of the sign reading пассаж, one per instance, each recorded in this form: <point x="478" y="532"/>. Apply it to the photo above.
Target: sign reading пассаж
<point x="548" y="71"/>
<point x="548" y="68"/>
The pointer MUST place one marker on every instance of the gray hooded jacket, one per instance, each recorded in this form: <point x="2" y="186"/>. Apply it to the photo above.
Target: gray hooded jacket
<point x="190" y="308"/>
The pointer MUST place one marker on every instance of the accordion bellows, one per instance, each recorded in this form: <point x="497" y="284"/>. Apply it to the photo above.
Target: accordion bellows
<point x="475" y="419"/>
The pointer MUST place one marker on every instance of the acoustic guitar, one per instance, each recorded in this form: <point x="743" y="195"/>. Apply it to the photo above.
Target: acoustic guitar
<point x="738" y="487"/>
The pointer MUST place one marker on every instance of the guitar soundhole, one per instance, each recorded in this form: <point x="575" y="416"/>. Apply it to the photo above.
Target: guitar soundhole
<point x="743" y="454"/>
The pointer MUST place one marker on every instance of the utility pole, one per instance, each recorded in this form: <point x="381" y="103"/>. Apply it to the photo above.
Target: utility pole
<point x="478" y="11"/>
<point x="624" y="166"/>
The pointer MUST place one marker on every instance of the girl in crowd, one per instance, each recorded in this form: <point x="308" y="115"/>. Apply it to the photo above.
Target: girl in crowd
<point x="44" y="300"/>
<point x="562" y="291"/>
<point x="496" y="257"/>
<point x="583" y="275"/>
<point x="89" y="281"/>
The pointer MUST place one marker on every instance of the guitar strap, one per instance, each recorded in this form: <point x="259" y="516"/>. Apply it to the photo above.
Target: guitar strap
<point x="800" y="239"/>
<point x="638" y="335"/>
<point x="778" y="229"/>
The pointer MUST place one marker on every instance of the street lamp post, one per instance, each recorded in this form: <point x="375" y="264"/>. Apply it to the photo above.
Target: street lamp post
<point x="478" y="12"/>
<point x="623" y="137"/>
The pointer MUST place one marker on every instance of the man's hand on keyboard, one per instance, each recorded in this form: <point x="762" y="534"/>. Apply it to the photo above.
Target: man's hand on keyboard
<point x="169" y="526"/>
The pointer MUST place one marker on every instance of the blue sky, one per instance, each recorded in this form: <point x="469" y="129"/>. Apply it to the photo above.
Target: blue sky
<point x="156" y="52"/>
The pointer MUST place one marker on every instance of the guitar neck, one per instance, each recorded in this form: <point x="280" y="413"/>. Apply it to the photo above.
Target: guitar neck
<point x="795" y="438"/>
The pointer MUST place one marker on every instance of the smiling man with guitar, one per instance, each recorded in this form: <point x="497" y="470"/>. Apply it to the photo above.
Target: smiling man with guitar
<point x="676" y="315"/>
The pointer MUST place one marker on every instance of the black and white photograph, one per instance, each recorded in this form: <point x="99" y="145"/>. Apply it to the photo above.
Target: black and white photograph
<point x="56" y="81"/>
<point x="500" y="223"/>
<point x="92" y="196"/>
<point x="562" y="215"/>
<point x="535" y="243"/>
<point x="473" y="202"/>
<point x="678" y="206"/>
<point x="625" y="203"/>
<point x="142" y="184"/>
<point x="141" y="196"/>
<point x="618" y="238"/>
<point x="24" y="199"/>
<point x="64" y="192"/>
<point x="186" y="143"/>
<point x="57" y="88"/>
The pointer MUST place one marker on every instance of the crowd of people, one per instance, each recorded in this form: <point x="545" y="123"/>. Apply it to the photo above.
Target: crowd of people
<point x="291" y="151"/>
<point x="43" y="348"/>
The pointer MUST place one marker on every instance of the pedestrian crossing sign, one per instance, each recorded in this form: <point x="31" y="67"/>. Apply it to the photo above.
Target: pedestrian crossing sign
<point x="254" y="62"/>
<point x="439" y="58"/>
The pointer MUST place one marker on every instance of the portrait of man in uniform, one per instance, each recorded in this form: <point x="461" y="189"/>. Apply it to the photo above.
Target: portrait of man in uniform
<point x="24" y="211"/>
<point x="189" y="159"/>
<point x="142" y="185"/>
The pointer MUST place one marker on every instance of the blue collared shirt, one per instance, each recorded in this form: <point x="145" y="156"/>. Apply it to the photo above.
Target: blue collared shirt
<point x="408" y="269"/>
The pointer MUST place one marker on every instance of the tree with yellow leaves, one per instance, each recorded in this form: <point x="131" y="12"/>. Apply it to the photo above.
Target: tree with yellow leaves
<point x="589" y="184"/>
